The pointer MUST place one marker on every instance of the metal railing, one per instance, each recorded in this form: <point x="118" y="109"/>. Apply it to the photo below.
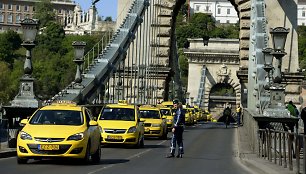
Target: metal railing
<point x="4" y="133"/>
<point x="283" y="148"/>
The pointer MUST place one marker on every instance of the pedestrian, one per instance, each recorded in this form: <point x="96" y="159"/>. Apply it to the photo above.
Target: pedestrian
<point x="293" y="112"/>
<point x="227" y="114"/>
<point x="303" y="117"/>
<point x="238" y="112"/>
<point x="177" y="130"/>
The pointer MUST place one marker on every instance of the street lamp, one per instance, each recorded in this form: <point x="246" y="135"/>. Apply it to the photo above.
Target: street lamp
<point x="268" y="58"/>
<point x="276" y="106"/>
<point x="29" y="28"/>
<point x="279" y="35"/>
<point x="79" y="49"/>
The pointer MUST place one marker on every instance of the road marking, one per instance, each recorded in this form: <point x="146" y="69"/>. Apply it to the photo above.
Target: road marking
<point x="129" y="158"/>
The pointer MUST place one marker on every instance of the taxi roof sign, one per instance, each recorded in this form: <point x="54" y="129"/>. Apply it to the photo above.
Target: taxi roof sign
<point x="64" y="102"/>
<point x="122" y="102"/>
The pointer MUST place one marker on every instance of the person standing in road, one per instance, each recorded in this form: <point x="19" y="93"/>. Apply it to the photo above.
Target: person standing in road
<point x="238" y="112"/>
<point x="177" y="130"/>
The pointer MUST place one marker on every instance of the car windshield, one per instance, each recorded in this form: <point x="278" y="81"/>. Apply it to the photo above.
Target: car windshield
<point x="125" y="114"/>
<point x="165" y="111"/>
<point x="57" y="117"/>
<point x="149" y="114"/>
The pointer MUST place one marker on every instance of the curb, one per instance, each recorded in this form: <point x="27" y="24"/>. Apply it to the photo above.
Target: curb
<point x="8" y="153"/>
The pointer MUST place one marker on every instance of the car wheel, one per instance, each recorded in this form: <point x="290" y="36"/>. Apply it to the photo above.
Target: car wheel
<point x="86" y="158"/>
<point x="22" y="160"/>
<point x="96" y="157"/>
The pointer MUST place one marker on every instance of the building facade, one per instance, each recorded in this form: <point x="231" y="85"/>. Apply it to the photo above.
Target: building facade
<point x="68" y="13"/>
<point x="222" y="10"/>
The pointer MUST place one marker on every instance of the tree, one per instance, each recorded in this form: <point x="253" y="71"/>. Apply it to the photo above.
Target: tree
<point x="9" y="42"/>
<point x="108" y="19"/>
<point x="44" y="12"/>
<point x="52" y="37"/>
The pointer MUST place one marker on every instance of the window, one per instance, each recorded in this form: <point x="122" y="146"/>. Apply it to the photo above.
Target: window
<point x="228" y="11"/>
<point x="1" y="17"/>
<point x="26" y="8"/>
<point x="33" y="8"/>
<point x="17" y="8"/>
<point x="207" y="8"/>
<point x="1" y="5"/>
<point x="10" y="18"/>
<point x="197" y="8"/>
<point x="9" y="6"/>
<point x="227" y="21"/>
<point x="18" y="18"/>
<point x="219" y="10"/>
<point x="303" y="13"/>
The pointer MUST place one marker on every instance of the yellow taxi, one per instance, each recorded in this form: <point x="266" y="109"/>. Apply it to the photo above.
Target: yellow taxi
<point x="207" y="115"/>
<point x="62" y="129"/>
<point x="120" y="124"/>
<point x="198" y="113"/>
<point x="188" y="115"/>
<point x="155" y="124"/>
<point x="167" y="103"/>
<point x="167" y="112"/>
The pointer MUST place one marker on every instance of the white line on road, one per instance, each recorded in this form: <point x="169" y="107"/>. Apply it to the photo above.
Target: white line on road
<point x="129" y="158"/>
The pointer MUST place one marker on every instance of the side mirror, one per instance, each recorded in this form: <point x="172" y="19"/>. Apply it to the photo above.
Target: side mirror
<point x="93" y="123"/>
<point x="23" y="122"/>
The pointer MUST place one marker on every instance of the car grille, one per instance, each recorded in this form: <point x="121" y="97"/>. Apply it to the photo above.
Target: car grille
<point x="147" y="124"/>
<point x="49" y="140"/>
<point x="62" y="149"/>
<point x="115" y="131"/>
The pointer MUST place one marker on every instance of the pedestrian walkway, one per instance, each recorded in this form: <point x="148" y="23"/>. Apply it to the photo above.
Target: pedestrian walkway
<point x="5" y="151"/>
<point x="253" y="162"/>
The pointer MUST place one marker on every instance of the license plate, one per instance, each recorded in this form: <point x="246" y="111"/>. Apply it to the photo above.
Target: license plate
<point x="114" y="137"/>
<point x="48" y="147"/>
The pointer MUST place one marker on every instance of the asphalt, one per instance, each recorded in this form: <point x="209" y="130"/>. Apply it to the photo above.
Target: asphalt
<point x="247" y="158"/>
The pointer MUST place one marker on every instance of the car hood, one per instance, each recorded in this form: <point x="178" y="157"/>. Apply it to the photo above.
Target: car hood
<point x="56" y="131"/>
<point x="110" y="124"/>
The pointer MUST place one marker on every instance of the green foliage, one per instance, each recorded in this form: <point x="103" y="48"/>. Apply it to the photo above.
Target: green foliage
<point x="51" y="37"/>
<point x="44" y="12"/>
<point x="9" y="42"/>
<point x="302" y="46"/>
<point x="183" y="63"/>
<point x="108" y="19"/>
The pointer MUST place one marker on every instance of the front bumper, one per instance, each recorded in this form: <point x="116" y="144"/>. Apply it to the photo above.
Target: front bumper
<point x="153" y="132"/>
<point x="65" y="149"/>
<point x="126" y="138"/>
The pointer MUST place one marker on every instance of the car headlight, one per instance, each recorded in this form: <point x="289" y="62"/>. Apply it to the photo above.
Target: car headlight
<point x="25" y="136"/>
<point x="156" y="125"/>
<point x="132" y="129"/>
<point x="169" y="120"/>
<point x="76" y="137"/>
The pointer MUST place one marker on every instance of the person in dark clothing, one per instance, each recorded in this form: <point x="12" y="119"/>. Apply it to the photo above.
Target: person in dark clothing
<point x="177" y="130"/>
<point x="303" y="117"/>
<point x="227" y="114"/>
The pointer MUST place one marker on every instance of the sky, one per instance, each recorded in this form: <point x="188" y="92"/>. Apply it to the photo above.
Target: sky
<point x="105" y="7"/>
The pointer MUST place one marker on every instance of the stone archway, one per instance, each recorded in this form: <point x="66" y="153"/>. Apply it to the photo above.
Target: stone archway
<point x="222" y="95"/>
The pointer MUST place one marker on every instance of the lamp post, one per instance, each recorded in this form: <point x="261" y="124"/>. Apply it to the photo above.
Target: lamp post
<point x="276" y="106"/>
<point x="79" y="49"/>
<point x="279" y="36"/>
<point x="26" y="97"/>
